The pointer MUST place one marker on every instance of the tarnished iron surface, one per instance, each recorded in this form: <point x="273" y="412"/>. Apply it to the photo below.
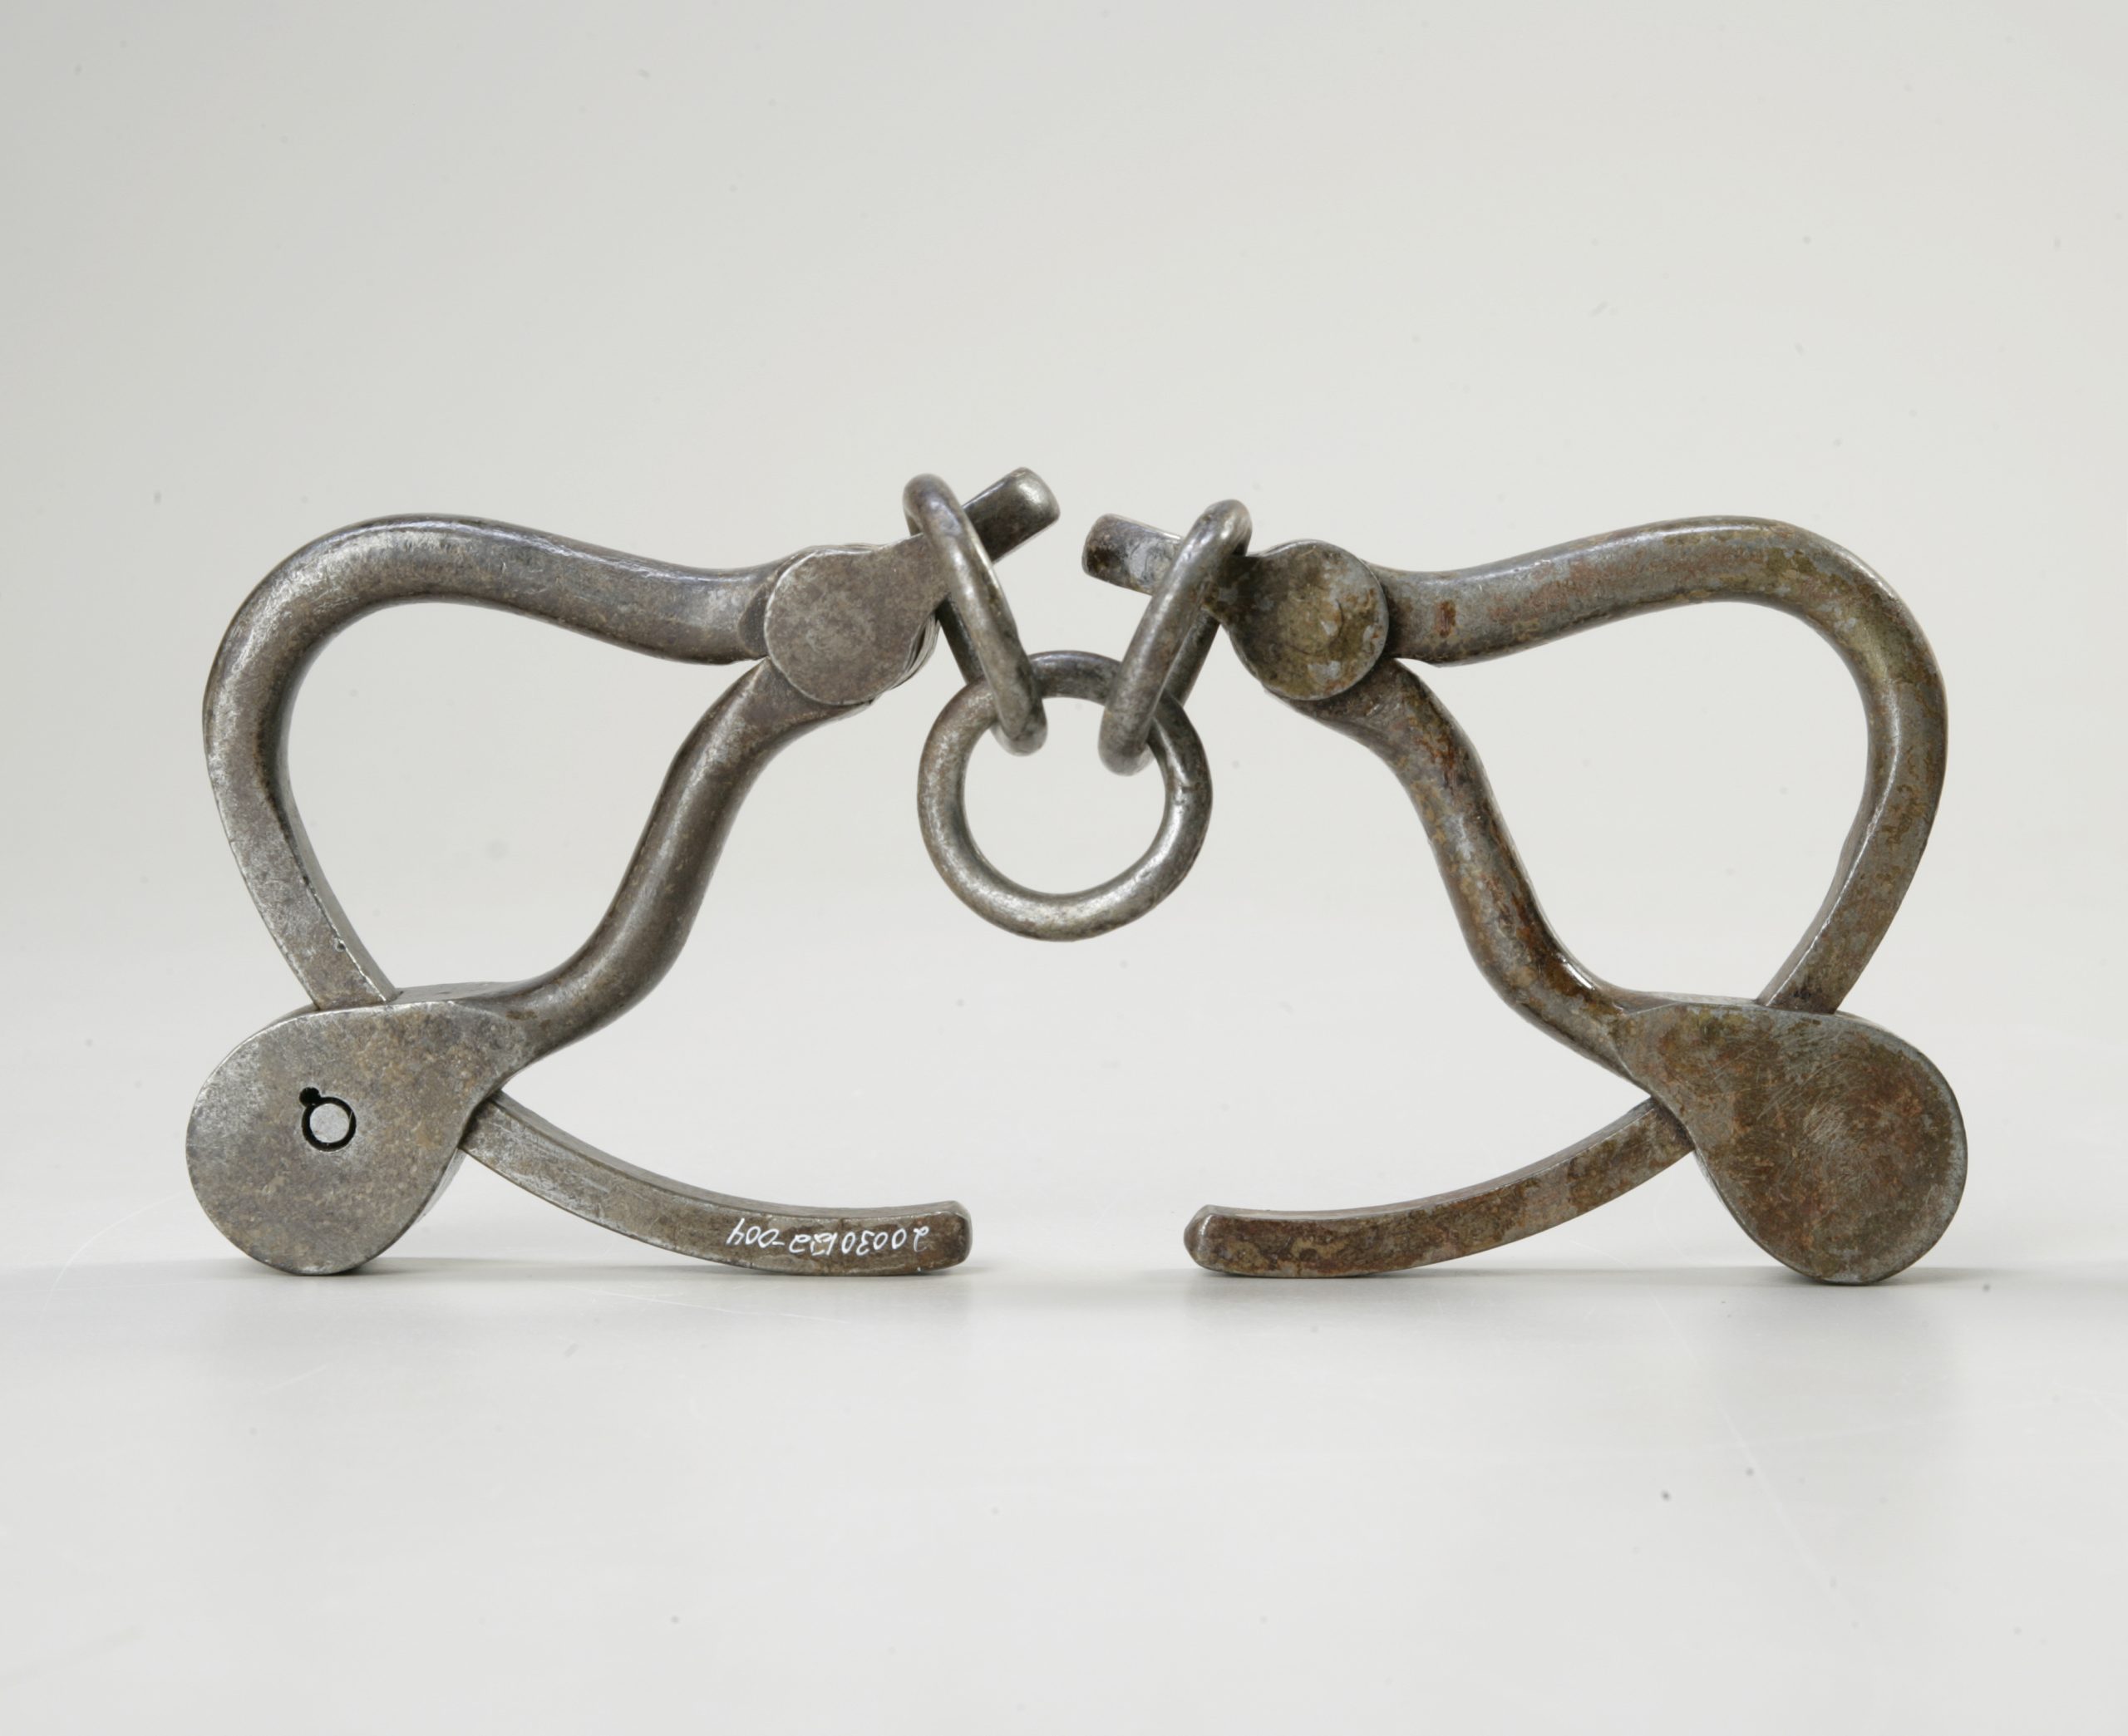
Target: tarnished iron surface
<point x="1837" y="1146"/>
<point x="1347" y="1243"/>
<point x="409" y="1081"/>
<point x="405" y="1077"/>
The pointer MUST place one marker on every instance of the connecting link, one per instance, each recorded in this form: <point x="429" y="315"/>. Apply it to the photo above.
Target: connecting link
<point x="1308" y="620"/>
<point x="1142" y="719"/>
<point x="1174" y="635"/>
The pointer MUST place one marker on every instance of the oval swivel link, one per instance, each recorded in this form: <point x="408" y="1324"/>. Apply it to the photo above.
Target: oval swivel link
<point x="1173" y="637"/>
<point x="978" y="621"/>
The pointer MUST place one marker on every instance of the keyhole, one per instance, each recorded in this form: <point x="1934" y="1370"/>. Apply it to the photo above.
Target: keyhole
<point x="328" y="1122"/>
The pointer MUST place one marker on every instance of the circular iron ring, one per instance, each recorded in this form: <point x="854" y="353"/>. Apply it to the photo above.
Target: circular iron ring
<point x="942" y="791"/>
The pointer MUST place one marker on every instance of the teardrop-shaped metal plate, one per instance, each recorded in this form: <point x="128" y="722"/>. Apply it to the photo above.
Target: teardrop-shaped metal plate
<point x="398" y="1083"/>
<point x="1837" y="1145"/>
<point x="844" y="625"/>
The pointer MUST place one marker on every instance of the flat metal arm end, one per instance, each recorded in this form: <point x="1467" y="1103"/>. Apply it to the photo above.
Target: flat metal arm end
<point x="1351" y="1243"/>
<point x="1122" y="552"/>
<point x="565" y="1170"/>
<point x="1011" y="511"/>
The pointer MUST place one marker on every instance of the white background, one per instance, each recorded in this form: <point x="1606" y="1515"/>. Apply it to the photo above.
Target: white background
<point x="1440" y="283"/>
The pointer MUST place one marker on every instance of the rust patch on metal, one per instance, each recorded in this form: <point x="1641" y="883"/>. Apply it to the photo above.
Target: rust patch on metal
<point x="1837" y="1146"/>
<point x="1308" y="620"/>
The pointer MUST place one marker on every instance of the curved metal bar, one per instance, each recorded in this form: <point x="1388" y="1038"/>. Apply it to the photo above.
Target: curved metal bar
<point x="684" y="613"/>
<point x="645" y="928"/>
<point x="1393" y="715"/>
<point x="1489" y="610"/>
<point x="1486" y="611"/>
<point x="569" y="1172"/>
<point x="1639" y="1145"/>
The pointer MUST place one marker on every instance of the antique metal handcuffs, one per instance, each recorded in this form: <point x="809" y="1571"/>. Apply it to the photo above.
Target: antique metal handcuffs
<point x="1837" y="1146"/>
